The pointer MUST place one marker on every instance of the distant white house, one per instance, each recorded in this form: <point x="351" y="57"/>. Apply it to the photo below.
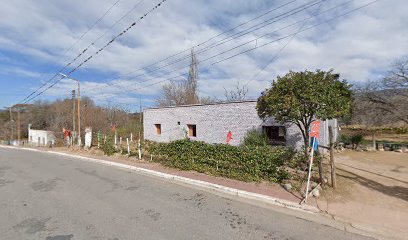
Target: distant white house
<point x="40" y="137"/>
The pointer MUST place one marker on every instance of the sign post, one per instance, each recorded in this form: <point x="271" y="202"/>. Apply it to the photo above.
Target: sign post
<point x="314" y="134"/>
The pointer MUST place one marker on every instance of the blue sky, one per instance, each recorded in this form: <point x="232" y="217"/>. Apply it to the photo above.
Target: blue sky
<point x="34" y="35"/>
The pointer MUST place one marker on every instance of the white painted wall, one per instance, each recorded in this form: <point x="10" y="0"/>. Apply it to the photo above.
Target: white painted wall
<point x="40" y="137"/>
<point x="213" y="121"/>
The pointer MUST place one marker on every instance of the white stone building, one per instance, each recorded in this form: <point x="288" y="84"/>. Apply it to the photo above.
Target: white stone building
<point x="212" y="122"/>
<point x="40" y="137"/>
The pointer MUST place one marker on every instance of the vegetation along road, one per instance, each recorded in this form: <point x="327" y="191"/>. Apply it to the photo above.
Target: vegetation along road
<point x="44" y="196"/>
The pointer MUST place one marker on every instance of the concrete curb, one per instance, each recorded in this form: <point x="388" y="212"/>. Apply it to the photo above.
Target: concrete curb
<point x="189" y="181"/>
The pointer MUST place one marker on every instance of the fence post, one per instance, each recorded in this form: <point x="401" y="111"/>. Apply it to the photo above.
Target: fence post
<point x="128" y="146"/>
<point x="139" y="146"/>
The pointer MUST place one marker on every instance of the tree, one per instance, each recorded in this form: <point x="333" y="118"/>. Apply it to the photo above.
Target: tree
<point x="237" y="94"/>
<point x="389" y="95"/>
<point x="303" y="97"/>
<point x="183" y="92"/>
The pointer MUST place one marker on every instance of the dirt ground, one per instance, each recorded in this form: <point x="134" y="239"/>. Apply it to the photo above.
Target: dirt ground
<point x="372" y="192"/>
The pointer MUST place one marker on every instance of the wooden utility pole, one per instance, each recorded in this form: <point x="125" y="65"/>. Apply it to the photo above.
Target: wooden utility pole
<point x="11" y="127"/>
<point x="332" y="163"/>
<point x="18" y="126"/>
<point x="73" y="111"/>
<point x="79" y="113"/>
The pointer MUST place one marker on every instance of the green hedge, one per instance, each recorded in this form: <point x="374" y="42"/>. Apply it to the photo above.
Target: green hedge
<point x="248" y="163"/>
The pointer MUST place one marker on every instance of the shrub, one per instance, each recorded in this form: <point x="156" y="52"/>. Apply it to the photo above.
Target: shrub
<point x="345" y="139"/>
<point x="255" y="138"/>
<point x="246" y="163"/>
<point x="108" y="148"/>
<point x="356" y="140"/>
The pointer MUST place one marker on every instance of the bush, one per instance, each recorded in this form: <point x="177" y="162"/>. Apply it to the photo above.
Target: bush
<point x="356" y="140"/>
<point x="345" y="139"/>
<point x="255" y="138"/>
<point x="246" y="163"/>
<point x="108" y="148"/>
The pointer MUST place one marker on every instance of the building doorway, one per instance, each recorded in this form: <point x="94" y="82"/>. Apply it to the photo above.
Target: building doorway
<point x="275" y="134"/>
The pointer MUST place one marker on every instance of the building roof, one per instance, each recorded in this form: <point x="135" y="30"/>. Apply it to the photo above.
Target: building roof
<point x="206" y="104"/>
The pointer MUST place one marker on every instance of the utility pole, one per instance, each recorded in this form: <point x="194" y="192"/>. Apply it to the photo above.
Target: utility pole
<point x="79" y="107"/>
<point x="18" y="126"/>
<point x="79" y="114"/>
<point x="73" y="111"/>
<point x="11" y="126"/>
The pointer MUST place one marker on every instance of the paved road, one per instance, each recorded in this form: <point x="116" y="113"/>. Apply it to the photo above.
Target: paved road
<point x="43" y="196"/>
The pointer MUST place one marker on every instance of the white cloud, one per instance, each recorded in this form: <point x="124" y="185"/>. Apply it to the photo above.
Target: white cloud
<point x="358" y="45"/>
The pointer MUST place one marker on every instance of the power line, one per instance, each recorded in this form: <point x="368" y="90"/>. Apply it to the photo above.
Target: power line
<point x="97" y="52"/>
<point x="254" y="40"/>
<point x="281" y="50"/>
<point x="214" y="37"/>
<point x="90" y="28"/>
<point x="268" y="43"/>
<point x="228" y="39"/>
<point x="86" y="49"/>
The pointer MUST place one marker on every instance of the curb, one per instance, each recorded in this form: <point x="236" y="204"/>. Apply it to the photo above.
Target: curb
<point x="198" y="183"/>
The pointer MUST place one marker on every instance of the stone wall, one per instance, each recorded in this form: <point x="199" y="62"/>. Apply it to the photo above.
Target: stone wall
<point x="213" y="121"/>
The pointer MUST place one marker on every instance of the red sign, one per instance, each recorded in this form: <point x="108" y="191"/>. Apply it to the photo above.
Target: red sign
<point x="229" y="136"/>
<point x="67" y="133"/>
<point x="314" y="132"/>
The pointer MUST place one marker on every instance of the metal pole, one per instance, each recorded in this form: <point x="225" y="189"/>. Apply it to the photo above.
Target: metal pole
<point x="310" y="170"/>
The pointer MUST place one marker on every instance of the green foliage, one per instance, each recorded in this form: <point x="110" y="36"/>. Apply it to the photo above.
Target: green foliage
<point x="255" y="139"/>
<point x="246" y="163"/>
<point x="356" y="139"/>
<point x="346" y="139"/>
<point x="108" y="148"/>
<point x="302" y="97"/>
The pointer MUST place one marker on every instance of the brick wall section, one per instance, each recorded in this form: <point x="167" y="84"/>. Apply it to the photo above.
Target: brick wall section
<point x="213" y="121"/>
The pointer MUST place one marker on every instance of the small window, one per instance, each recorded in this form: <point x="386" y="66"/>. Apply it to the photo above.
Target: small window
<point x="276" y="134"/>
<point x="192" y="130"/>
<point x="158" y="129"/>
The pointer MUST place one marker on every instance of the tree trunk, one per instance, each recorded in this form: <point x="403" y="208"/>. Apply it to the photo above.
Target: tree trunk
<point x="332" y="164"/>
<point x="373" y="138"/>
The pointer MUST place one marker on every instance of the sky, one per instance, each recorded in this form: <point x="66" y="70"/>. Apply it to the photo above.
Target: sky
<point x="236" y="42"/>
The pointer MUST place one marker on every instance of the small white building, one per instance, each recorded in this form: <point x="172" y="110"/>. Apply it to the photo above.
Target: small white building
<point x="40" y="137"/>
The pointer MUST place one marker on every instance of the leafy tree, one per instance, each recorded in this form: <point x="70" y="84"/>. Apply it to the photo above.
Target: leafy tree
<point x="302" y="97"/>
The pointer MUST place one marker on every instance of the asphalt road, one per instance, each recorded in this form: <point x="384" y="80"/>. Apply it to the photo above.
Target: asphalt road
<point x="44" y="196"/>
